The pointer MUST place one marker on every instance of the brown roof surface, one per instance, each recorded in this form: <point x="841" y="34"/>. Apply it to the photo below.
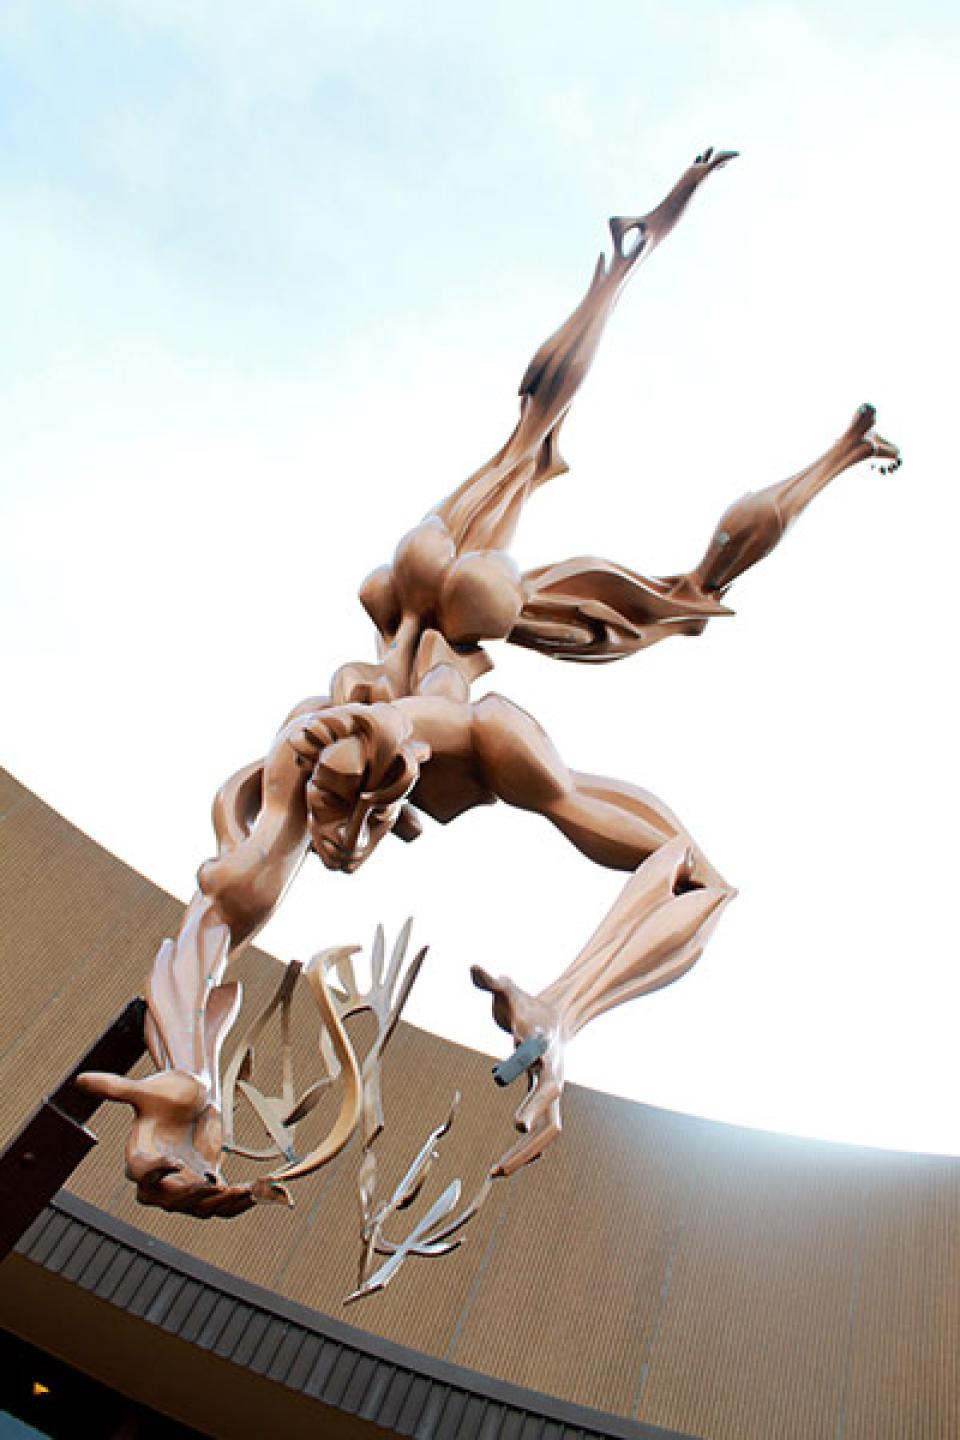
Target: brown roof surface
<point x="716" y="1281"/>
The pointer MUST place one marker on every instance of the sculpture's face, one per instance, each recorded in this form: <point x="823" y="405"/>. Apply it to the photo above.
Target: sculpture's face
<point x="360" y="781"/>
<point x="345" y="830"/>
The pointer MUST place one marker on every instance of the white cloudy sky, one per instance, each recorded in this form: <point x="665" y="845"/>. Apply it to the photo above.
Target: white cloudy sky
<point x="270" y="275"/>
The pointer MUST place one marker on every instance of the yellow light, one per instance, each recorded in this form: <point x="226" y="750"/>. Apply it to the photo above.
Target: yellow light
<point x="39" y="1389"/>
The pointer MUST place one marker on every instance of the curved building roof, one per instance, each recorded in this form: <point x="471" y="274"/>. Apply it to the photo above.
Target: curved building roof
<point x="663" y="1270"/>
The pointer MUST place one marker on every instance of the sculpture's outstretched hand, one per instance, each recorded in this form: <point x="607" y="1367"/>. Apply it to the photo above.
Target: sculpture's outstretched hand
<point x="173" y="1149"/>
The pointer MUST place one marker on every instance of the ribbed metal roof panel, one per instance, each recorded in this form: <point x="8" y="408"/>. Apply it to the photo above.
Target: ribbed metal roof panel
<point x="250" y="1339"/>
<point x="139" y="1270"/>
<point x="430" y="1423"/>
<point x="373" y="1397"/>
<point x="303" y="1362"/>
<point x="216" y="1322"/>
<point x="471" y="1418"/>
<point x="492" y="1425"/>
<point x="412" y="1408"/>
<point x="453" y="1408"/>
<point x="156" y="1311"/>
<point x="396" y="1394"/>
<point x="182" y="1307"/>
<point x="340" y="1376"/>
<point x="88" y="1247"/>
<point x="120" y="1263"/>
<point x="273" y="1338"/>
<point x="510" y="1426"/>
<point x="326" y="1358"/>
<point x="95" y="1268"/>
<point x="358" y="1384"/>
<point x="49" y="1237"/>
<point x="284" y="1359"/>
<point x="30" y="1239"/>
<point x="237" y="1321"/>
<point x="202" y="1310"/>
<point x="338" y="1365"/>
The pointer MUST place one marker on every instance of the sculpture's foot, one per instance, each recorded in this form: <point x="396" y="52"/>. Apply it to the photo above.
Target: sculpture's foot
<point x="523" y="1016"/>
<point x="711" y="159"/>
<point x="173" y="1149"/>
<point x="862" y="429"/>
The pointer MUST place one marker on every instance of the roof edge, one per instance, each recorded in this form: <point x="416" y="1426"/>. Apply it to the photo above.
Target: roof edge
<point x="444" y="1379"/>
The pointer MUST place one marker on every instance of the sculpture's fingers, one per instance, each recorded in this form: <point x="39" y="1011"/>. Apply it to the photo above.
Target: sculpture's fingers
<point x="224" y="1204"/>
<point x="110" y="1087"/>
<point x="230" y="1207"/>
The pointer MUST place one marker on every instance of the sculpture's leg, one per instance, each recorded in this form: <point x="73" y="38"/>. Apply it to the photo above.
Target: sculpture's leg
<point x="655" y="932"/>
<point x="482" y="513"/>
<point x="756" y="523"/>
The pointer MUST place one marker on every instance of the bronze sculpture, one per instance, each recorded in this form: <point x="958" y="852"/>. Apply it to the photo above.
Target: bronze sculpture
<point x="401" y="735"/>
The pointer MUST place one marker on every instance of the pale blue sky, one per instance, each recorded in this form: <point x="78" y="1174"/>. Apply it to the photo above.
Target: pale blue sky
<point x="266" y="156"/>
<point x="269" y="276"/>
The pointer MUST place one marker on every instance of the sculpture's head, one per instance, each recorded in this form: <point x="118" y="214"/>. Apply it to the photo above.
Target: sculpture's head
<point x="366" y="762"/>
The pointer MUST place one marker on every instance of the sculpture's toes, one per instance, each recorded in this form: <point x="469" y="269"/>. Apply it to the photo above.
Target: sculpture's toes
<point x="541" y="1106"/>
<point x="862" y="427"/>
<point x="539" y="1120"/>
<point x="885" y="450"/>
<point x="712" y="159"/>
<point x="864" y="419"/>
